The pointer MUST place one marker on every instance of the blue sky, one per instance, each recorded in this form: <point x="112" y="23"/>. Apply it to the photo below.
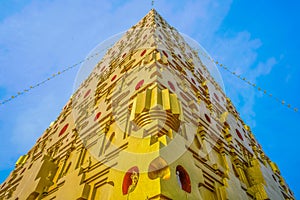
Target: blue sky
<point x="256" y="39"/>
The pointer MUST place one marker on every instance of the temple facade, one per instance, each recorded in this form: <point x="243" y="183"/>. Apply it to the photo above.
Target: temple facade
<point x="149" y="122"/>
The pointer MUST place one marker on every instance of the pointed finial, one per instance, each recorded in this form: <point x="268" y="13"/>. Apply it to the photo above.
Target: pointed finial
<point x="152" y="3"/>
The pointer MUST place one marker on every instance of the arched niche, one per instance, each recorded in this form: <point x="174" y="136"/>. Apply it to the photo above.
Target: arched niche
<point x="183" y="179"/>
<point x="130" y="180"/>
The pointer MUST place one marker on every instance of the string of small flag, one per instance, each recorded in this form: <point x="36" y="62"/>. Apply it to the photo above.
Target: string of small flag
<point x="26" y="90"/>
<point x="239" y="76"/>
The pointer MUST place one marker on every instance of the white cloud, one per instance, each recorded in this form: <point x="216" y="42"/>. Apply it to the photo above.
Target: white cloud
<point x="48" y="35"/>
<point x="264" y="68"/>
<point x="239" y="53"/>
<point x="200" y="19"/>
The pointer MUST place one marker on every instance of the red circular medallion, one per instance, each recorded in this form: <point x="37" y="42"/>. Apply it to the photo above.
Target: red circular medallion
<point x="114" y="77"/>
<point x="87" y="93"/>
<point x="139" y="85"/>
<point x="63" y="130"/>
<point x="171" y="85"/>
<point x="143" y="53"/>
<point x="97" y="116"/>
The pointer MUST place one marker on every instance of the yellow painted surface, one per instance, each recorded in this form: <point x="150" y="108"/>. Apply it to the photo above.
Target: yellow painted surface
<point x="138" y="128"/>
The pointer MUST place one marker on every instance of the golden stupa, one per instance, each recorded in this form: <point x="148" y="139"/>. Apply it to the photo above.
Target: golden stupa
<point x="150" y="122"/>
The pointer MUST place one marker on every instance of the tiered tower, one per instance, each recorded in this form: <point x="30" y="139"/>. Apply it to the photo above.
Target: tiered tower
<point x="149" y="122"/>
